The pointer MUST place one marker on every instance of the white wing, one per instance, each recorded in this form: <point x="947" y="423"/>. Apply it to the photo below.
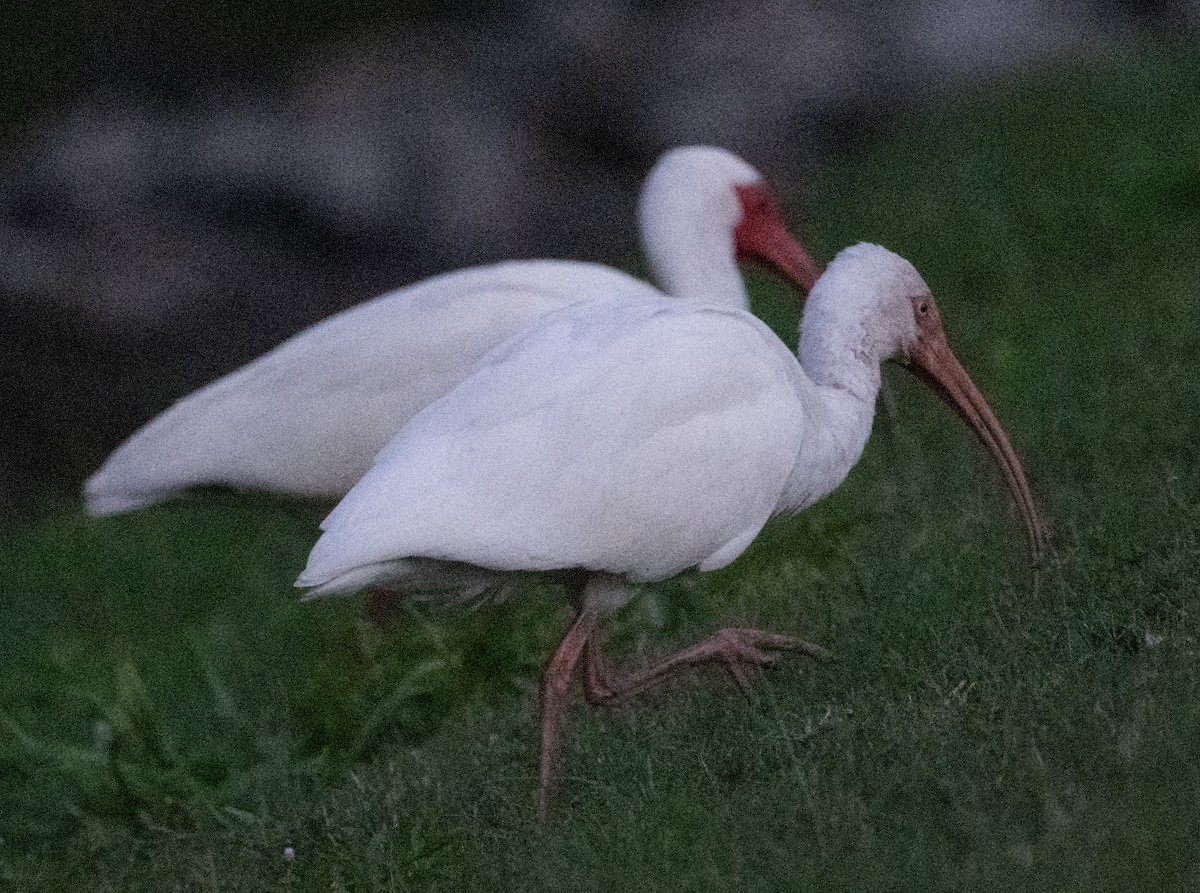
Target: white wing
<point x="635" y="437"/>
<point x="309" y="417"/>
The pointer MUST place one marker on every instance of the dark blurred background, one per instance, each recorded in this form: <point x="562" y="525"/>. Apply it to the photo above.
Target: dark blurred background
<point x="183" y="185"/>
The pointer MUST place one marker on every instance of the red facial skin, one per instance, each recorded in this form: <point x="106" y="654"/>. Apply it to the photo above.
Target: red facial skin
<point x="761" y="236"/>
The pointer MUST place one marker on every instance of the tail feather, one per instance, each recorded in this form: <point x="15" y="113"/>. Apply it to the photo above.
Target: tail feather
<point x="104" y="496"/>
<point x="427" y="579"/>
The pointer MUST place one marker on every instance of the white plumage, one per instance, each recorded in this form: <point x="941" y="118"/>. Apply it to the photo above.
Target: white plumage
<point x="308" y="417"/>
<point x="586" y="442"/>
<point x="628" y="440"/>
<point x="635" y="437"/>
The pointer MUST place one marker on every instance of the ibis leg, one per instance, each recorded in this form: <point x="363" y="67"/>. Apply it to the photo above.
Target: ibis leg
<point x="734" y="647"/>
<point x="555" y="684"/>
<point x="382" y="607"/>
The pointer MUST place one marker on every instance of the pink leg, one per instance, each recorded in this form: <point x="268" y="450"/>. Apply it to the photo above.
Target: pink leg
<point x="734" y="647"/>
<point x="555" y="683"/>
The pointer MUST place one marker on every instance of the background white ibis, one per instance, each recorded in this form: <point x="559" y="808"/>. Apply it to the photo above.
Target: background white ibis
<point x="628" y="440"/>
<point x="308" y="418"/>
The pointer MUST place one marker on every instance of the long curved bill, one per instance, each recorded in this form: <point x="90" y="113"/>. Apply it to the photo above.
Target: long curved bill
<point x="935" y="362"/>
<point x="762" y="236"/>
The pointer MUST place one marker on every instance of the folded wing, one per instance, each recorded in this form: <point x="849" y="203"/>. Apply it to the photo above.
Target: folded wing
<point x="635" y="437"/>
<point x="308" y="418"/>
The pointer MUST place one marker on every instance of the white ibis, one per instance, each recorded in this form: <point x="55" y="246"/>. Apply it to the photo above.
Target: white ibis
<point x="625" y="441"/>
<point x="307" y="418"/>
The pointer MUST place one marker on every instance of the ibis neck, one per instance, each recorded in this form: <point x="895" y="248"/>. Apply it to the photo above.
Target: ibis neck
<point x="691" y="255"/>
<point x="698" y="278"/>
<point x="833" y="360"/>
<point x="838" y="389"/>
<point x="837" y="425"/>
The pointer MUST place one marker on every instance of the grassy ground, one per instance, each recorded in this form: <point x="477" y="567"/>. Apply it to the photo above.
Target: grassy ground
<point x="171" y="718"/>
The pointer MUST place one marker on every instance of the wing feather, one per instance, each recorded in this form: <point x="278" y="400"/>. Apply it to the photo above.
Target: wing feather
<point x="637" y="437"/>
<point x="309" y="417"/>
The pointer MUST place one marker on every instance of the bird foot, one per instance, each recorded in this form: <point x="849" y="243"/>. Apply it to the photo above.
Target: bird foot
<point x="734" y="647"/>
<point x="740" y="647"/>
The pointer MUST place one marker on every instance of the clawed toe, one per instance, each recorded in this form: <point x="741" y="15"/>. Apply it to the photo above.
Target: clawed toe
<point x="756" y="641"/>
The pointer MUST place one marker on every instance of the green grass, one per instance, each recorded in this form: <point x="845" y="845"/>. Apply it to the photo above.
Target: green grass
<point x="171" y="717"/>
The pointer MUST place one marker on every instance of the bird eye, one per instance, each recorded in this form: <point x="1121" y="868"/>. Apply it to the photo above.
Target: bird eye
<point x="923" y="307"/>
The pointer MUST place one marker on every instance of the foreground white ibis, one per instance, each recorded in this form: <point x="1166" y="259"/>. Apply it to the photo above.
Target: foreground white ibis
<point x="308" y="418"/>
<point x="625" y="441"/>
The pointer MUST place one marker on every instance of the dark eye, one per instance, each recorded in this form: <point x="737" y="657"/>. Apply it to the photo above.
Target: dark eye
<point x="923" y="307"/>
